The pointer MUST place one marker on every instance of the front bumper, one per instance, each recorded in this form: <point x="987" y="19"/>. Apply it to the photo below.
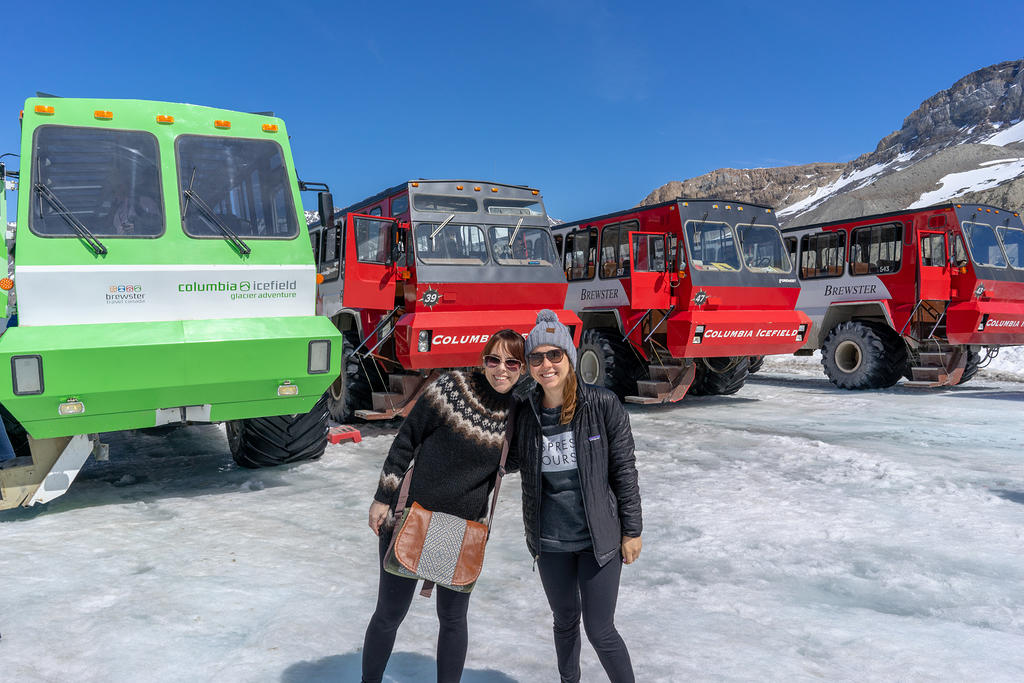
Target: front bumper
<point x="988" y="323"/>
<point x="708" y="334"/>
<point x="135" y="375"/>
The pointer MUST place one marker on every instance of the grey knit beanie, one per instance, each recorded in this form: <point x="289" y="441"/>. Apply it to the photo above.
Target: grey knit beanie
<point x="549" y="331"/>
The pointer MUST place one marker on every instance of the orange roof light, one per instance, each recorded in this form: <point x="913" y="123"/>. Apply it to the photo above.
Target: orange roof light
<point x="739" y="208"/>
<point x="164" y="118"/>
<point x="988" y="210"/>
<point x="415" y="184"/>
<point x="458" y="187"/>
<point x="269" y="127"/>
<point x="536" y="192"/>
<point x="727" y="206"/>
<point x="476" y="189"/>
<point x="767" y="210"/>
<point x="714" y="206"/>
<point x="222" y="124"/>
<point x="494" y="189"/>
<point x="6" y="284"/>
<point x="44" y="109"/>
<point x="105" y="115"/>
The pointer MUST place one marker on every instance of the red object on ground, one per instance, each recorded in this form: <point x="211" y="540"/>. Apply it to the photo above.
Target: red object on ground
<point x="343" y="433"/>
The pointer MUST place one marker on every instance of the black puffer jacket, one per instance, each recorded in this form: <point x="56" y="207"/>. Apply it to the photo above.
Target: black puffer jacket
<point x="607" y="467"/>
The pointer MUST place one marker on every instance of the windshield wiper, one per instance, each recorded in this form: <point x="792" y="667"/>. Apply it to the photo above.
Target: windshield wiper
<point x="441" y="227"/>
<point x="515" y="232"/>
<point x="212" y="216"/>
<point x="72" y="220"/>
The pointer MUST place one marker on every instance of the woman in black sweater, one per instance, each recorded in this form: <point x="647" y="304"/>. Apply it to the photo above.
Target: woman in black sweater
<point x="455" y="431"/>
<point x="581" y="501"/>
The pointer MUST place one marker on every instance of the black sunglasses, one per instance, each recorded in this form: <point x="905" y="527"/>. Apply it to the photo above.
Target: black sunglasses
<point x="510" y="363"/>
<point x="554" y="355"/>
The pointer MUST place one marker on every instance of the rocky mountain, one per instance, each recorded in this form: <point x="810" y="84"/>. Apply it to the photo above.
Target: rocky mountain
<point x="966" y="142"/>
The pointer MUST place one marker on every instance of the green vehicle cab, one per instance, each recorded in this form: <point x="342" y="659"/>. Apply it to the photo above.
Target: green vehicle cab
<point x="159" y="273"/>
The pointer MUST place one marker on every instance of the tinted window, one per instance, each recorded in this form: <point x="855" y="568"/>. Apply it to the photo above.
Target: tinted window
<point x="763" y="250"/>
<point x="983" y="244"/>
<point x="372" y="239"/>
<point x="399" y="205"/>
<point x="1013" y="245"/>
<point x="712" y="246"/>
<point x="822" y="254"/>
<point x="244" y="182"/>
<point x="444" y="204"/>
<point x="513" y="207"/>
<point x="581" y="255"/>
<point x="959" y="252"/>
<point x="461" y="245"/>
<point x="615" y="249"/>
<point x="648" y="253"/>
<point x="108" y="179"/>
<point x="876" y="249"/>
<point x="531" y="247"/>
<point x="933" y="249"/>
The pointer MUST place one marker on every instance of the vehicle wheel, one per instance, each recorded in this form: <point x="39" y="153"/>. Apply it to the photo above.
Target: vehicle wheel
<point x="279" y="440"/>
<point x="16" y="433"/>
<point x="606" y="360"/>
<point x="755" y="364"/>
<point x="971" y="369"/>
<point x="720" y="376"/>
<point x="351" y="390"/>
<point x="861" y="355"/>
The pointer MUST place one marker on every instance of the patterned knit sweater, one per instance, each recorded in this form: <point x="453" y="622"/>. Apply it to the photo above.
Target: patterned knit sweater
<point x="455" y="431"/>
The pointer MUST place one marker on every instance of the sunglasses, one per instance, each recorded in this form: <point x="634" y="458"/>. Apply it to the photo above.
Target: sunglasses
<point x="510" y="363"/>
<point x="554" y="355"/>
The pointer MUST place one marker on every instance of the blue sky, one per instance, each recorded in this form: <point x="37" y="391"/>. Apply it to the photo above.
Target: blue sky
<point x="595" y="103"/>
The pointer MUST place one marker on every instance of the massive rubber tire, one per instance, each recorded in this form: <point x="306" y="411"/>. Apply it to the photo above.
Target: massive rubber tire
<point x="606" y="360"/>
<point x="279" y="440"/>
<point x="720" y="376"/>
<point x="971" y="369"/>
<point x="755" y="364"/>
<point x="863" y="355"/>
<point x="351" y="390"/>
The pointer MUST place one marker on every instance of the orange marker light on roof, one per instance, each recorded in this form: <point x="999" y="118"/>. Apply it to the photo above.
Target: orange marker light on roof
<point x="415" y="184"/>
<point x="164" y="118"/>
<point x="739" y="208"/>
<point x="458" y="187"/>
<point x="105" y="115"/>
<point x="988" y="210"/>
<point x="222" y="124"/>
<point x="536" y="192"/>
<point x="494" y="189"/>
<point x="476" y="189"/>
<point x="44" y="109"/>
<point x="269" y="127"/>
<point x="714" y="206"/>
<point x="6" y="284"/>
<point x="727" y="206"/>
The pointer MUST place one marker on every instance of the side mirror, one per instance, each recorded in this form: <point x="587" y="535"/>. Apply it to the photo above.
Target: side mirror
<point x="396" y="251"/>
<point x="326" y="209"/>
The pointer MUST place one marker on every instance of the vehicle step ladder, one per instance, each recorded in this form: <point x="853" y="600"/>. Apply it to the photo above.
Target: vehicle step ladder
<point x="668" y="382"/>
<point x="941" y="365"/>
<point x="398" y="400"/>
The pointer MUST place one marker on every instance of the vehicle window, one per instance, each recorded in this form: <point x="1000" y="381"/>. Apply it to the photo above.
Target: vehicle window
<point x="676" y="255"/>
<point x="763" y="249"/>
<point x="372" y="239"/>
<point x="581" y="254"/>
<point x="791" y="248"/>
<point x="712" y="246"/>
<point x="1013" y="245"/>
<point x="558" y="245"/>
<point x="513" y="207"/>
<point x="648" y="253"/>
<point x="615" y="251"/>
<point x="821" y="255"/>
<point x="375" y="211"/>
<point x="315" y="237"/>
<point x="244" y="182"/>
<point x="876" y="249"/>
<point x="531" y="246"/>
<point x="984" y="245"/>
<point x="461" y="245"/>
<point x="444" y="204"/>
<point x="108" y="179"/>
<point x="959" y="252"/>
<point x="933" y="249"/>
<point x="330" y="265"/>
<point x="400" y="205"/>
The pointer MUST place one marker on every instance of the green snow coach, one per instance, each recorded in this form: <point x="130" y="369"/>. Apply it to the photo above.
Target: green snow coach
<point x="158" y="273"/>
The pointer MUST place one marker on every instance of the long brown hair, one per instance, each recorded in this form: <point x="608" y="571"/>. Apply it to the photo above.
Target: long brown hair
<point x="568" y="397"/>
<point x="511" y="340"/>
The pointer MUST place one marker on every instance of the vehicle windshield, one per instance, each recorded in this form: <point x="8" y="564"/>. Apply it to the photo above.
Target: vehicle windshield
<point x="984" y="245"/>
<point x="531" y="246"/>
<point x="109" y="180"/>
<point x="513" y="207"/>
<point x="763" y="249"/>
<point x="453" y="244"/>
<point x="245" y="182"/>
<point x="712" y="246"/>
<point x="1013" y="245"/>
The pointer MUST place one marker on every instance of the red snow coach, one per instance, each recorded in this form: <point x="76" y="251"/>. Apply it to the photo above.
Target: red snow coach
<point x="679" y="296"/>
<point x="914" y="293"/>
<point x="417" y="278"/>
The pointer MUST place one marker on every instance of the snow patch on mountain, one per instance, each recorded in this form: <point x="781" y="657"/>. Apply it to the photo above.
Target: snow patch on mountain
<point x="1014" y="133"/>
<point x="991" y="174"/>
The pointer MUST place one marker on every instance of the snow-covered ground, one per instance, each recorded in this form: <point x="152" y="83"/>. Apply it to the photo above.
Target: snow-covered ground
<point x="794" y="531"/>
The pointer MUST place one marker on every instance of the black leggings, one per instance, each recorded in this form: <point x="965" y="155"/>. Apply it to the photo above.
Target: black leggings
<point x="568" y="577"/>
<point x="394" y="595"/>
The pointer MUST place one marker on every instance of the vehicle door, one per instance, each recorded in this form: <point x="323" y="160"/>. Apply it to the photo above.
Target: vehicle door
<point x="370" y="272"/>
<point x="934" y="272"/>
<point x="648" y="284"/>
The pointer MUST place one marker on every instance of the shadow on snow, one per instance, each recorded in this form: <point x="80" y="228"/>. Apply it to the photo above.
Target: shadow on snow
<point x="403" y="667"/>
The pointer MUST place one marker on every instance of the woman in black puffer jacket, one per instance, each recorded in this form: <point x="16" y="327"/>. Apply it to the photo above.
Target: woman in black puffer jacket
<point x="581" y="501"/>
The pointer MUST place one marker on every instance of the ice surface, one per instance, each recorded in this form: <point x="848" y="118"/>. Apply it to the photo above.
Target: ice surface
<point x="793" y="532"/>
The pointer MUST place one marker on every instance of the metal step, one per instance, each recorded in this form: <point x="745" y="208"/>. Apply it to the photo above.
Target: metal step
<point x="928" y="374"/>
<point x="936" y="358"/>
<point x="914" y="384"/>
<point x="653" y="387"/>
<point x="665" y="373"/>
<point x="643" y="400"/>
<point x="404" y="384"/>
<point x="387" y="400"/>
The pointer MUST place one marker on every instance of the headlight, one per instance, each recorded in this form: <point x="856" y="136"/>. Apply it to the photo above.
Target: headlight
<point x="319" y="357"/>
<point x="27" y="374"/>
<point x="423" y="344"/>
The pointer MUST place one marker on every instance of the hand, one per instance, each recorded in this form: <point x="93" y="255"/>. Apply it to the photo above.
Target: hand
<point x="631" y="548"/>
<point x="378" y="513"/>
